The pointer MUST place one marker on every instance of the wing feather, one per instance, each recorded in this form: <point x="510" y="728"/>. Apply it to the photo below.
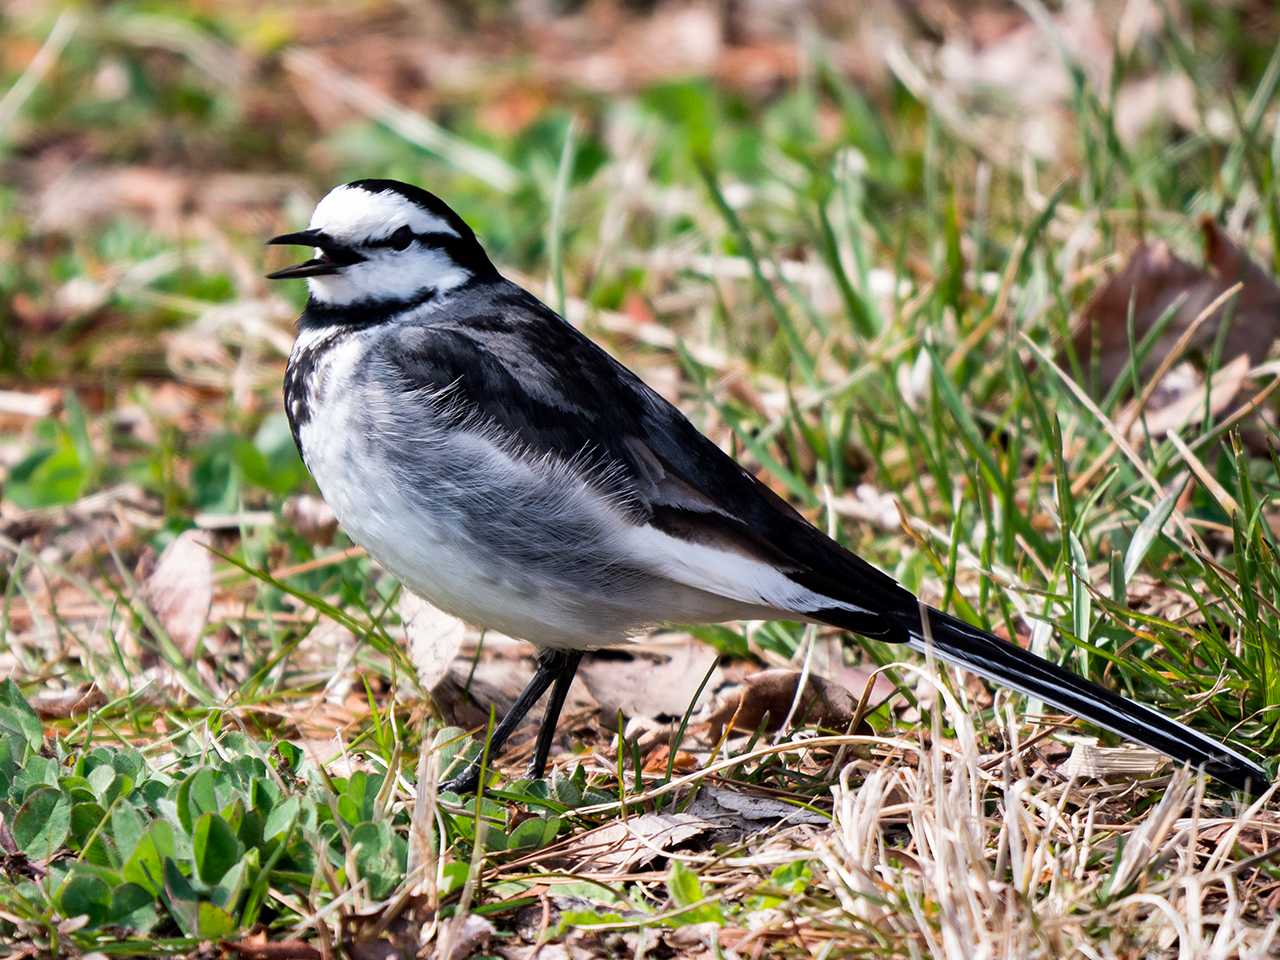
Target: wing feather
<point x="698" y="515"/>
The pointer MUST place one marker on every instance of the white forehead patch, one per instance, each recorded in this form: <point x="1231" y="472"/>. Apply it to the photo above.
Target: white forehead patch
<point x="355" y="214"/>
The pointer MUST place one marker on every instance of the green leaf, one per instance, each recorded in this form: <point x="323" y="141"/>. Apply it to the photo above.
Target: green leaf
<point x="227" y="893"/>
<point x="86" y="825"/>
<point x="133" y="908"/>
<point x="42" y="825"/>
<point x="794" y="876"/>
<point x="683" y="885"/>
<point x="271" y="461"/>
<point x="212" y="922"/>
<point x="686" y="889"/>
<point x="127" y="828"/>
<point x="1148" y="531"/>
<point x="730" y="642"/>
<point x="281" y="819"/>
<point x="196" y="796"/>
<point x="535" y="833"/>
<point x="564" y="790"/>
<point x="358" y="797"/>
<point x="379" y="857"/>
<point x="215" y="848"/>
<point x="454" y="876"/>
<point x="86" y="895"/>
<point x="145" y="866"/>
<point x="16" y="715"/>
<point x="48" y="477"/>
<point x="11" y="747"/>
<point x="60" y="469"/>
<point x="36" y="772"/>
<point x="181" y="898"/>
<point x="100" y="780"/>
<point x="574" y="919"/>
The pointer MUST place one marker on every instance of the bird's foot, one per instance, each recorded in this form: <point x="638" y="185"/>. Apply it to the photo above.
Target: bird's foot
<point x="464" y="783"/>
<point x="536" y="770"/>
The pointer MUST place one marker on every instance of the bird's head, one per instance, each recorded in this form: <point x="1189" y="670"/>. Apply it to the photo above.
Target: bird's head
<point x="380" y="242"/>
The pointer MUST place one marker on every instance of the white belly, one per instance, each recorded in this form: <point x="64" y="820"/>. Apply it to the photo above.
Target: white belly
<point x="471" y="522"/>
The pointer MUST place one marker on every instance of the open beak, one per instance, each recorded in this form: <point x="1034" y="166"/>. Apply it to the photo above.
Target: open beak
<point x="333" y="256"/>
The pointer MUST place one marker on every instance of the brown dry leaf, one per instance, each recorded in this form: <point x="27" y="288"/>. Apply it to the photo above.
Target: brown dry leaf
<point x="1150" y="596"/>
<point x="748" y="812"/>
<point x="466" y="936"/>
<point x="657" y="759"/>
<point x="179" y="590"/>
<point x="61" y="704"/>
<point x="771" y="692"/>
<point x="311" y="517"/>
<point x="256" y="946"/>
<point x="636" y="841"/>
<point x="434" y="638"/>
<point x="1188" y="404"/>
<point x="1088" y="760"/>
<point x="638" y="686"/>
<point x="388" y="930"/>
<point x="1154" y="280"/>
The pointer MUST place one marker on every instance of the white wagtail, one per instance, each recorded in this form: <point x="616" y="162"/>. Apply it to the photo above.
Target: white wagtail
<point x="511" y="472"/>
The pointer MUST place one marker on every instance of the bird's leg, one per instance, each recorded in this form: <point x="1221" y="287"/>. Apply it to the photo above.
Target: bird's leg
<point x="547" y="732"/>
<point x="550" y="666"/>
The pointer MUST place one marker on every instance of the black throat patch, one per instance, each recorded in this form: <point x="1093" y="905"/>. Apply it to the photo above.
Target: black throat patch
<point x="303" y="375"/>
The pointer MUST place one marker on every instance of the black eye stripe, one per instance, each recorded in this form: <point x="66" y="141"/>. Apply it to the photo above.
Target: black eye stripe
<point x="401" y="239"/>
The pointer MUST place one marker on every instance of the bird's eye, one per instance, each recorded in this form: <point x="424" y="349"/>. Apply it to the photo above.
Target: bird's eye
<point x="401" y="239"/>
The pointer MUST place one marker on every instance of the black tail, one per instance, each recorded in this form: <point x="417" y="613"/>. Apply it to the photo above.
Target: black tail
<point x="959" y="643"/>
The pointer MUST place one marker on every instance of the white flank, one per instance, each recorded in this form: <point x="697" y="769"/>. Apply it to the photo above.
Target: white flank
<point x="724" y="572"/>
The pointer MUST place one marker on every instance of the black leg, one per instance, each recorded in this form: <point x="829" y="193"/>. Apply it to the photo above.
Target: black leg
<point x="550" y="665"/>
<point x="547" y="732"/>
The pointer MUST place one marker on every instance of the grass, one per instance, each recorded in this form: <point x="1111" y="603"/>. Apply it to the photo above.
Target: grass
<point x="862" y="285"/>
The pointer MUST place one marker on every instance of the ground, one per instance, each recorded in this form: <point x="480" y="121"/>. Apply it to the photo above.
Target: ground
<point x="987" y="291"/>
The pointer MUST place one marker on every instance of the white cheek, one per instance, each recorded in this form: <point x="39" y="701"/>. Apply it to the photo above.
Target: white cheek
<point x="390" y="277"/>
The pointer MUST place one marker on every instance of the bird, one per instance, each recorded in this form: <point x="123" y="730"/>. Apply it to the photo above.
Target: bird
<point x="510" y="471"/>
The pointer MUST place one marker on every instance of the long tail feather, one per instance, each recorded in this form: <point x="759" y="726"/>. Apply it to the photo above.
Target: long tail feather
<point x="963" y="645"/>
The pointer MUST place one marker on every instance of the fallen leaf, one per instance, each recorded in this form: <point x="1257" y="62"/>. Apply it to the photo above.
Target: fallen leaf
<point x="1189" y="399"/>
<point x="465" y="695"/>
<point x="257" y="947"/>
<point x="725" y="807"/>
<point x="61" y="704"/>
<point x="434" y="638"/>
<point x="657" y="759"/>
<point x="771" y="693"/>
<point x="1154" y="281"/>
<point x="695" y="940"/>
<point x="466" y="936"/>
<point x="1098" y="763"/>
<point x="311" y="517"/>
<point x="651" y="685"/>
<point x="179" y="590"/>
<point x="636" y="841"/>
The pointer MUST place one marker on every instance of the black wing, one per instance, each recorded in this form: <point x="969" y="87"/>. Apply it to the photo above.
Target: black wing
<point x="516" y="363"/>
